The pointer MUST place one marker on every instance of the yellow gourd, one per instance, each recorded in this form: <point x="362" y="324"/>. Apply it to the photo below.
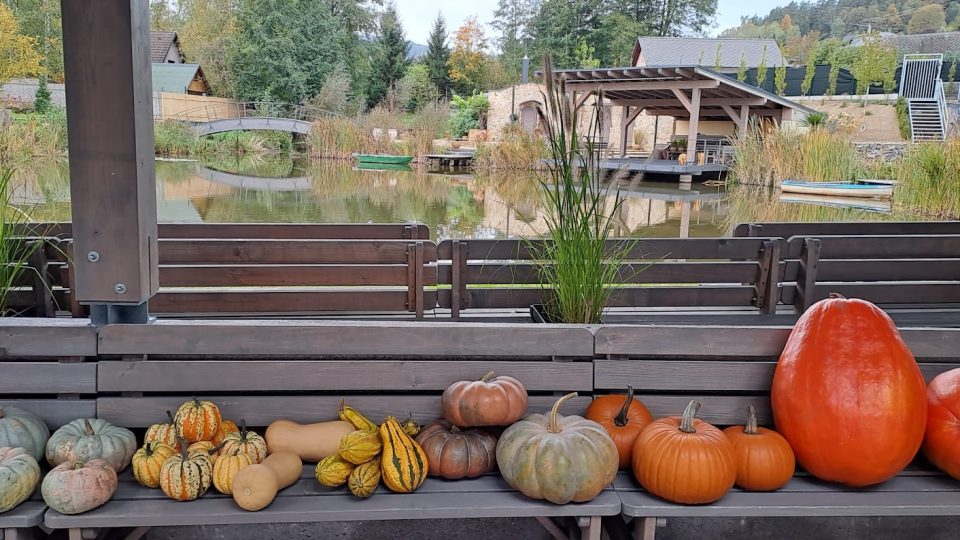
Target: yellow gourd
<point x="312" y="442"/>
<point x="364" y="479"/>
<point x="148" y="461"/>
<point x="359" y="421"/>
<point x="403" y="464"/>
<point x="333" y="471"/>
<point x="225" y="469"/>
<point x="255" y="486"/>
<point x="360" y="446"/>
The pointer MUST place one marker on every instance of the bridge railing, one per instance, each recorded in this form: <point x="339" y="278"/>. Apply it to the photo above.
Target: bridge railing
<point x="254" y="109"/>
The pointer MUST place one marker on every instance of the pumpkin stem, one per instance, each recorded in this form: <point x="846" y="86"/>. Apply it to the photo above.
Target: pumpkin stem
<point x="751" y="427"/>
<point x="837" y="296"/>
<point x="554" y="423"/>
<point x="88" y="428"/>
<point x="183" y="447"/>
<point x="621" y="419"/>
<point x="487" y="377"/>
<point x="148" y="447"/>
<point x="343" y="404"/>
<point x="454" y="428"/>
<point x="689" y="415"/>
<point x="170" y="417"/>
<point x="196" y="402"/>
<point x="243" y="429"/>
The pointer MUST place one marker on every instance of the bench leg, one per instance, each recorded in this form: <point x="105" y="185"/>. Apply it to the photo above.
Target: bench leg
<point x="552" y="528"/>
<point x="644" y="528"/>
<point x="10" y="534"/>
<point x="137" y="533"/>
<point x="591" y="529"/>
<point x="75" y="534"/>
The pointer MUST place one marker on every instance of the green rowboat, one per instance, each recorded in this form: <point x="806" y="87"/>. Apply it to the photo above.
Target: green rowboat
<point x="382" y="159"/>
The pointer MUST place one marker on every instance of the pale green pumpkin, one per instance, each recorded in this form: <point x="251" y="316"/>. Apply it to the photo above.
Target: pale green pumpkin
<point x="557" y="458"/>
<point x="23" y="429"/>
<point x="85" y="440"/>
<point x="19" y="476"/>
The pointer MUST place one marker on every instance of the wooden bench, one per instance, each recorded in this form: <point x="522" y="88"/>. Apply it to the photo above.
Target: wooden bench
<point x="907" y="270"/>
<point x="43" y="370"/>
<point x="698" y="273"/>
<point x="261" y="371"/>
<point x="728" y="368"/>
<point x="40" y="290"/>
<point x="871" y="228"/>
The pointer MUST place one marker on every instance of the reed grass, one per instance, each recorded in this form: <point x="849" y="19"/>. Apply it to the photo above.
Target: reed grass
<point x="37" y="136"/>
<point x="515" y="151"/>
<point x="14" y="255"/>
<point x="415" y="133"/>
<point x="929" y="180"/>
<point x="577" y="264"/>
<point x="770" y="156"/>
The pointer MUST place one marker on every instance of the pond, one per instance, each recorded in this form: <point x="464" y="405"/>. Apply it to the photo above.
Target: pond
<point x="273" y="190"/>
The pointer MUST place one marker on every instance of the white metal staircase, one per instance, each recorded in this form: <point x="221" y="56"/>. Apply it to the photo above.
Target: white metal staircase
<point x="921" y="87"/>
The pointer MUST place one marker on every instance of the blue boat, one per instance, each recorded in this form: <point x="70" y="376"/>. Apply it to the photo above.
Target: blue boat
<point x="839" y="189"/>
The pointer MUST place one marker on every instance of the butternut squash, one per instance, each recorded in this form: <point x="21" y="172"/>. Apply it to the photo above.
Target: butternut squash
<point x="255" y="486"/>
<point x="312" y="442"/>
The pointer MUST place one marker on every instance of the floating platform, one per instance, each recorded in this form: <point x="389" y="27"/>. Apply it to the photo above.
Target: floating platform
<point x="451" y="160"/>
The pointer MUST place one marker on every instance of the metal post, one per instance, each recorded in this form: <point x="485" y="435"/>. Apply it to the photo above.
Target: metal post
<point x="112" y="182"/>
<point x="525" y="78"/>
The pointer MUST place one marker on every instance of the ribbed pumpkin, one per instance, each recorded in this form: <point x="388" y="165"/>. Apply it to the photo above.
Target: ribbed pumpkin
<point x="333" y="471"/>
<point x="403" y="465"/>
<point x="360" y="446"/>
<point x="624" y="418"/>
<point x="684" y="459"/>
<point x="226" y="427"/>
<point x="186" y="476"/>
<point x="19" y="476"/>
<point x="941" y="444"/>
<point x="411" y="427"/>
<point x="490" y="401"/>
<point x="87" y="439"/>
<point x="23" y="429"/>
<point x="363" y="481"/>
<point x="848" y="395"/>
<point x="204" y="446"/>
<point x="148" y="461"/>
<point x="765" y="461"/>
<point x="454" y="453"/>
<point x="197" y="420"/>
<point x="226" y="467"/>
<point x="557" y="458"/>
<point x="165" y="433"/>
<point x="245" y="442"/>
<point x="74" y="488"/>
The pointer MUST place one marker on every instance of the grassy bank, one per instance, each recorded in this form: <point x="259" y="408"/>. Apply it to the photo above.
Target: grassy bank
<point x="929" y="178"/>
<point x="379" y="132"/>
<point x="515" y="151"/>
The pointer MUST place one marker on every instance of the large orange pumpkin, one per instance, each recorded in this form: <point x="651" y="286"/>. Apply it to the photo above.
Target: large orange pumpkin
<point x="848" y="395"/>
<point x="491" y="401"/>
<point x="197" y="420"/>
<point x="941" y="443"/>
<point x="684" y="459"/>
<point x="765" y="461"/>
<point x="623" y="417"/>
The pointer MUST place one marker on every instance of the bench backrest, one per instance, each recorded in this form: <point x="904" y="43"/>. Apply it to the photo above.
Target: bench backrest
<point x="887" y="270"/>
<point x="786" y="230"/>
<point x="300" y="370"/>
<point x="725" y="368"/>
<point x="715" y="272"/>
<point x="40" y="289"/>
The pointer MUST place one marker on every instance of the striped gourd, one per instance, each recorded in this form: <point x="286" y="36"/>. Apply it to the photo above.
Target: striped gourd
<point x="360" y="447"/>
<point x="245" y="442"/>
<point x="226" y="467"/>
<point x="163" y="433"/>
<point x="404" y="463"/>
<point x="186" y="476"/>
<point x="148" y="461"/>
<point x="204" y="446"/>
<point x="197" y="420"/>
<point x="333" y="471"/>
<point x="364" y="479"/>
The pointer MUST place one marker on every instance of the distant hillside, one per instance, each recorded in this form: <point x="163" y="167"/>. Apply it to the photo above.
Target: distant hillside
<point x="416" y="50"/>
<point x="838" y="18"/>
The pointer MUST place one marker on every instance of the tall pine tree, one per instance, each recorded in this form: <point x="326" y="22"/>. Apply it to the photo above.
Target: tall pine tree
<point x="512" y="19"/>
<point x="438" y="54"/>
<point x="390" y="57"/>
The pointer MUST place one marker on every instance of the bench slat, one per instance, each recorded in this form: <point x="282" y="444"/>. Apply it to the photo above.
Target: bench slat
<point x="372" y="231"/>
<point x="241" y="275"/>
<point x="262" y="410"/>
<point x="634" y="297"/>
<point x="26" y="515"/>
<point x="892" y="293"/>
<point x="272" y="301"/>
<point x="55" y="412"/>
<point x="654" y="272"/>
<point x="905" y="482"/>
<point x="346" y="376"/>
<point x="315" y="338"/>
<point x="288" y="251"/>
<point x="643" y="248"/>
<point x="45" y="337"/>
<point x="880" y="270"/>
<point x="918" y="246"/>
<point x="788" y="229"/>
<point x="48" y="378"/>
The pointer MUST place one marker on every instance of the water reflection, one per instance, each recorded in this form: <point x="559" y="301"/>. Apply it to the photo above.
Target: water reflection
<point x="492" y="206"/>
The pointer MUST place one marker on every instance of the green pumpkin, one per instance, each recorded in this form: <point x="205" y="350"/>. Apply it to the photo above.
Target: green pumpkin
<point x="557" y="458"/>
<point x="19" y="476"/>
<point x="74" y="488"/>
<point x="85" y="440"/>
<point x="23" y="429"/>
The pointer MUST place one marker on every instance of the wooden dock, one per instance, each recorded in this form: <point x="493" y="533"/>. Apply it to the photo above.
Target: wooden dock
<point x="453" y="160"/>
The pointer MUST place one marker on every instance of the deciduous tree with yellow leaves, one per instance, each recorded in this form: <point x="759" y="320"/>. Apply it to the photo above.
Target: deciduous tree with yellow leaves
<point x="18" y="54"/>
<point x="467" y="60"/>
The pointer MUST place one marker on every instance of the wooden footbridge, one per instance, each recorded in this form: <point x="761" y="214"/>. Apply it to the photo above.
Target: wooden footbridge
<point x="254" y="116"/>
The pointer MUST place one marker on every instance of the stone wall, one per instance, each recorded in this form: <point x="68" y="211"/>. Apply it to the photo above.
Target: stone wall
<point x="886" y="152"/>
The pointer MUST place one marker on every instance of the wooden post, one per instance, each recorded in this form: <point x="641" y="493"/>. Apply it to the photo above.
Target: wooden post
<point x="694" y="126"/>
<point x="112" y="183"/>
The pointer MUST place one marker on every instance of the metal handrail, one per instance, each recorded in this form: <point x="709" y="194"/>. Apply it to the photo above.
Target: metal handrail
<point x="941" y="98"/>
<point x="254" y="109"/>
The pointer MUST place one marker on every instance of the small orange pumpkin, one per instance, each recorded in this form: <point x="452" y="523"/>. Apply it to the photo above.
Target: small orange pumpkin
<point x="684" y="459"/>
<point x="765" y="461"/>
<point x="225" y="469"/>
<point x="148" y="461"/>
<point x="624" y="418"/>
<point x="197" y="420"/>
<point x="941" y="443"/>
<point x="245" y="442"/>
<point x="187" y="475"/>
<point x="491" y="401"/>
<point x="226" y="427"/>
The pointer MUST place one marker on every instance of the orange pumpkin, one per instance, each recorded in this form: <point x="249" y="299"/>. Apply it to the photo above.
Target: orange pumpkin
<point x="491" y="401"/>
<point x="765" y="461"/>
<point x="848" y="395"/>
<point x="623" y="417"/>
<point x="941" y="444"/>
<point x="684" y="459"/>
<point x="226" y="427"/>
<point x="197" y="420"/>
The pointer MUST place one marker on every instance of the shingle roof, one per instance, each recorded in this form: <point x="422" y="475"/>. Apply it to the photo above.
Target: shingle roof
<point x="943" y="42"/>
<point x="160" y="43"/>
<point x="174" y="77"/>
<point x="678" y="51"/>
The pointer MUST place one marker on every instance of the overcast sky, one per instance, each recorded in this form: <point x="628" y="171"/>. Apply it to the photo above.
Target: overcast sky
<point x="418" y="15"/>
